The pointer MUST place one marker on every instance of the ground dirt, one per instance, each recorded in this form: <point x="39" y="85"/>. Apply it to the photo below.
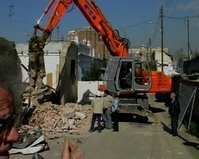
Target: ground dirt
<point x="136" y="139"/>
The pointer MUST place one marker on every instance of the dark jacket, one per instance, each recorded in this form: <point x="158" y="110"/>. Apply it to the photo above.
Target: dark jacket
<point x="174" y="108"/>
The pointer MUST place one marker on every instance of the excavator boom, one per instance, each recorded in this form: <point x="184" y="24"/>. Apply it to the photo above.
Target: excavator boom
<point x="116" y="45"/>
<point x="38" y="42"/>
<point x="60" y="8"/>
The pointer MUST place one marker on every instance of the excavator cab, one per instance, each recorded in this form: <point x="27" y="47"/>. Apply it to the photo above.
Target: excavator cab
<point x="127" y="74"/>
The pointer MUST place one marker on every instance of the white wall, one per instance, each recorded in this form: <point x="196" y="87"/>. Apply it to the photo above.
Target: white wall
<point x="83" y="86"/>
<point x="51" y="58"/>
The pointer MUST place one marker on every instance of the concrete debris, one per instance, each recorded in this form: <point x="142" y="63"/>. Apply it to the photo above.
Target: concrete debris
<point x="79" y="115"/>
<point x="30" y="144"/>
<point x="28" y="150"/>
<point x="53" y="119"/>
<point x="27" y="139"/>
<point x="67" y="112"/>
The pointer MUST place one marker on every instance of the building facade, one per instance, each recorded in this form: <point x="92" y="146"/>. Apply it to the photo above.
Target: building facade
<point x="89" y="37"/>
<point x="66" y="62"/>
<point x="155" y="54"/>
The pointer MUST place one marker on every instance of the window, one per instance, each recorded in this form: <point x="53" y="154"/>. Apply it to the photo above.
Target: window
<point x="125" y="76"/>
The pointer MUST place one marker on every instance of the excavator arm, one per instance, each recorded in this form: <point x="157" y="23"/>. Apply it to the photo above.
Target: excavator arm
<point x="116" y="45"/>
<point x="37" y="42"/>
<point x="60" y="7"/>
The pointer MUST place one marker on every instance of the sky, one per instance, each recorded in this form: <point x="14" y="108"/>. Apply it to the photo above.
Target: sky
<point x="137" y="20"/>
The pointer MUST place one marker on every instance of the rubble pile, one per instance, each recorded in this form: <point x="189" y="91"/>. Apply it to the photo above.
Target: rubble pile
<point x="70" y="117"/>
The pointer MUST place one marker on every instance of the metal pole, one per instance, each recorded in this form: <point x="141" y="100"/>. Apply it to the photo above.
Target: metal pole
<point x="149" y="44"/>
<point x="188" y="41"/>
<point x="161" y="30"/>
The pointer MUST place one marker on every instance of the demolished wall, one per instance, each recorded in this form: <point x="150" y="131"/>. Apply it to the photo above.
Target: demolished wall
<point x="67" y="84"/>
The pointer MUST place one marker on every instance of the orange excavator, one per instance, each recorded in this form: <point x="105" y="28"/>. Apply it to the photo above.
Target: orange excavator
<point x="130" y="77"/>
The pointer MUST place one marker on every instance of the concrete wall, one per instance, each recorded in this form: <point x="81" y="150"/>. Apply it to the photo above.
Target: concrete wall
<point x="185" y="91"/>
<point x="58" y="57"/>
<point x="185" y="95"/>
<point x="52" y="52"/>
<point x="67" y="84"/>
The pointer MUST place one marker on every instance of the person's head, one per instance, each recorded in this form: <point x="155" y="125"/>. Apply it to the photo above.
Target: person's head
<point x="173" y="96"/>
<point x="106" y="92"/>
<point x="8" y="132"/>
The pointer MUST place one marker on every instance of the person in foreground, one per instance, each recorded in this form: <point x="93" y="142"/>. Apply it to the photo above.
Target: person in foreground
<point x="174" y="111"/>
<point x="115" y="113"/>
<point x="9" y="102"/>
<point x="70" y="151"/>
<point x="9" y="133"/>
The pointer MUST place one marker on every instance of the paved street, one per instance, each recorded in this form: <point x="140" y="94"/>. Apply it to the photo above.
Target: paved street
<point x="137" y="141"/>
<point x="133" y="141"/>
<point x="142" y="141"/>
